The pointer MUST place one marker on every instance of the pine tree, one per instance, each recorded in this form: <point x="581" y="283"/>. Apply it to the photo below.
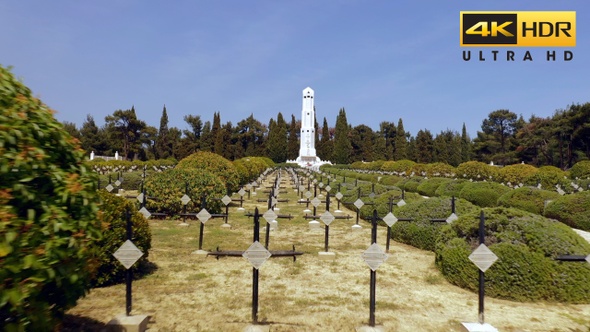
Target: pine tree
<point x="276" y="146"/>
<point x="207" y="138"/>
<point x="465" y="145"/>
<point x="326" y="145"/>
<point x="424" y="147"/>
<point x="163" y="148"/>
<point x="342" y="146"/>
<point x="293" y="141"/>
<point x="401" y="143"/>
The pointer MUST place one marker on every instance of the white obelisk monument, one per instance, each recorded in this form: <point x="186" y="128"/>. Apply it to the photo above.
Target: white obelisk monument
<point x="307" y="156"/>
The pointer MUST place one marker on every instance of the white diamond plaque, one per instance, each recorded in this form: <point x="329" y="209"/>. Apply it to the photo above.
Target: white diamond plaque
<point x="451" y="218"/>
<point x="241" y="192"/>
<point x="359" y="203"/>
<point x="390" y="219"/>
<point x="226" y="200"/>
<point x="256" y="254"/>
<point x="128" y="254"/>
<point x="374" y="256"/>
<point x="110" y="188"/>
<point x="185" y="199"/>
<point x="308" y="194"/>
<point x="483" y="257"/>
<point x="339" y="196"/>
<point x="203" y="215"/>
<point x="401" y="203"/>
<point x="145" y="212"/>
<point x="328" y="188"/>
<point x="140" y="198"/>
<point x="327" y="218"/>
<point x="316" y="202"/>
<point x="269" y="215"/>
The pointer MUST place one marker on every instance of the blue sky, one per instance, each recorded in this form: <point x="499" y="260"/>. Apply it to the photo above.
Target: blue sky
<point x="380" y="60"/>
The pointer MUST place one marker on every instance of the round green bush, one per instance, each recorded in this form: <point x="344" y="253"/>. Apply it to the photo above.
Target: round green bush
<point x="422" y="232"/>
<point x="250" y="168"/>
<point x="526" y="245"/>
<point x="47" y="213"/>
<point x="169" y="186"/>
<point x="411" y="184"/>
<point x="215" y="164"/>
<point x="516" y="174"/>
<point x="451" y="188"/>
<point x="113" y="218"/>
<point x="401" y="166"/>
<point x="530" y="199"/>
<point x="571" y="210"/>
<point x="484" y="194"/>
<point x="548" y="177"/>
<point x="475" y="170"/>
<point x="428" y="187"/>
<point x="440" y="169"/>
<point x="580" y="170"/>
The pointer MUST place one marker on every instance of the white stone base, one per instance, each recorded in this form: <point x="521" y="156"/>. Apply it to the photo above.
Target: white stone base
<point x="338" y="211"/>
<point x="378" y="328"/>
<point x="183" y="224"/>
<point x="477" y="327"/>
<point x="241" y="209"/>
<point x="276" y="208"/>
<point x="314" y="225"/>
<point x="224" y="225"/>
<point x="136" y="323"/>
<point x="356" y="227"/>
<point x="327" y="255"/>
<point x="274" y="225"/>
<point x="200" y="253"/>
<point x="256" y="328"/>
<point x="307" y="211"/>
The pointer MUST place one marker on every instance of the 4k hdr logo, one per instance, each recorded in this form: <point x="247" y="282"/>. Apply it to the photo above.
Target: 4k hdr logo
<point x="521" y="28"/>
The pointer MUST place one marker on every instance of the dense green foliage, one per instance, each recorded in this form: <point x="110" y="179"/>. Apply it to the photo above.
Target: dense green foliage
<point x="47" y="213"/>
<point x="516" y="174"/>
<point x="477" y="171"/>
<point x="422" y="232"/>
<point x="572" y="210"/>
<point x="484" y="194"/>
<point x="215" y="164"/>
<point x="580" y="170"/>
<point x="526" y="245"/>
<point x="168" y="187"/>
<point x="113" y="218"/>
<point x="428" y="187"/>
<point x="451" y="188"/>
<point x="530" y="199"/>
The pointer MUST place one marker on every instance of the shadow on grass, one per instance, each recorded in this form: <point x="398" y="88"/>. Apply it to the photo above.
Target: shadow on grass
<point x="77" y="323"/>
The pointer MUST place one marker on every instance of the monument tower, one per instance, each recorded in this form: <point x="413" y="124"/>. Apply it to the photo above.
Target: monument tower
<point x="307" y="155"/>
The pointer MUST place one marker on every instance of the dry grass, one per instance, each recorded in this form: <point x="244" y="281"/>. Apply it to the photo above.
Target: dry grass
<point x="187" y="293"/>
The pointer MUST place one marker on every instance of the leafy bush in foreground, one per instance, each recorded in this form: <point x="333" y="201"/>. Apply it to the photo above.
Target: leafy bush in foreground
<point x="484" y="194"/>
<point x="47" y="213"/>
<point x="215" y="164"/>
<point x="526" y="245"/>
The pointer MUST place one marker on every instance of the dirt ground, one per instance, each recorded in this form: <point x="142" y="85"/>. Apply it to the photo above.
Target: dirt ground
<point x="192" y="293"/>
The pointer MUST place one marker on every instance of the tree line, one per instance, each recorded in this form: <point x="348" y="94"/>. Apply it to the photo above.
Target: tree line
<point x="505" y="138"/>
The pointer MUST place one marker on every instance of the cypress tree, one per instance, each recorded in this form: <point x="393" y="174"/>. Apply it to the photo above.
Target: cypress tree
<point x="163" y="148"/>
<point x="293" y="141"/>
<point x="401" y="143"/>
<point x="342" y="145"/>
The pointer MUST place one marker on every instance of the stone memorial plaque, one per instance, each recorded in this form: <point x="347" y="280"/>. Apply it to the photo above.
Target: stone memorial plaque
<point x="301" y="188"/>
<point x="203" y="215"/>
<point x="339" y="196"/>
<point x="269" y="216"/>
<point x="390" y="219"/>
<point x="451" y="218"/>
<point x="128" y="254"/>
<point x="248" y="186"/>
<point x="242" y="192"/>
<point x="401" y="203"/>
<point x="226" y="200"/>
<point x="109" y="188"/>
<point x="256" y="254"/>
<point x="374" y="256"/>
<point x="328" y="188"/>
<point x="483" y="257"/>
<point x="185" y="199"/>
<point x="145" y="212"/>
<point x="359" y="203"/>
<point x="588" y="258"/>
<point x="308" y="194"/>
<point x="140" y="198"/>
<point x="327" y="218"/>
<point x="316" y="202"/>
<point x="321" y="185"/>
<point x="372" y="195"/>
<point x="118" y="183"/>
<point x="273" y="201"/>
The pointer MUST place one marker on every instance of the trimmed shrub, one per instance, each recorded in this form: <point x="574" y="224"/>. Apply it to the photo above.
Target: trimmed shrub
<point x="411" y="184"/>
<point x="548" y="177"/>
<point x="422" y="233"/>
<point x="484" y="194"/>
<point x="526" y="245"/>
<point x="419" y="170"/>
<point x="516" y="174"/>
<point x="169" y="186"/>
<point x="47" y="213"/>
<point x="390" y="180"/>
<point x="571" y="210"/>
<point x="580" y="170"/>
<point x="400" y="166"/>
<point x="215" y="164"/>
<point x="428" y="187"/>
<point x="249" y="168"/>
<point x="476" y="170"/>
<point x="451" y="188"/>
<point x="113" y="217"/>
<point x="530" y="199"/>
<point x="440" y="169"/>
